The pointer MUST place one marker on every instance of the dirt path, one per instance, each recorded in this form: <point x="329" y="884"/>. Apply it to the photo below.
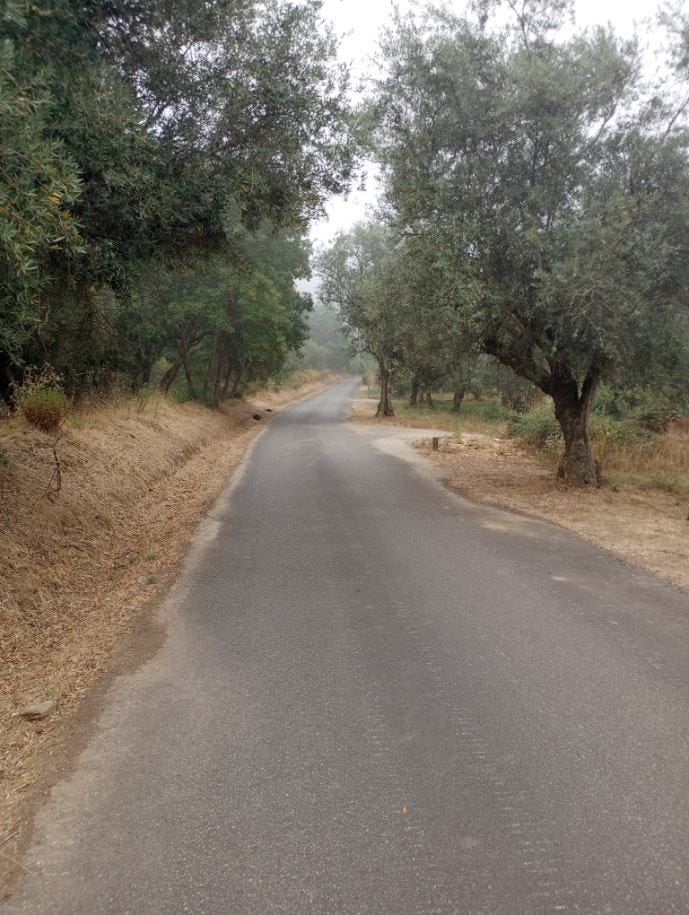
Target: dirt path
<point x="646" y="527"/>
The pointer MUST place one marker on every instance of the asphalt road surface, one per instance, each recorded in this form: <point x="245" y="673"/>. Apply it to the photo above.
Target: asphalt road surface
<point x="377" y="697"/>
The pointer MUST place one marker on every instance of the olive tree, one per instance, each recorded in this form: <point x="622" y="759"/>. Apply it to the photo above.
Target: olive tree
<point x="358" y="277"/>
<point x="555" y="194"/>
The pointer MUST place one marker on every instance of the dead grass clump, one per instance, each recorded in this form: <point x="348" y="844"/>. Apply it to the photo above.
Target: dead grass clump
<point x="665" y="453"/>
<point x="45" y="408"/>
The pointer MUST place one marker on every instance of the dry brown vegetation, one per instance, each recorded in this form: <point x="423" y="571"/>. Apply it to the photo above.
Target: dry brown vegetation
<point x="640" y="515"/>
<point x="78" y="565"/>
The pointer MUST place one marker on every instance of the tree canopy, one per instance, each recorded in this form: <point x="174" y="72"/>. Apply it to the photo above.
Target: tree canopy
<point x="542" y="193"/>
<point x="139" y="133"/>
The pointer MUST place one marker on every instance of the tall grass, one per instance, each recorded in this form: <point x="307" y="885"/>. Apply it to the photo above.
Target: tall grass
<point x="629" y="452"/>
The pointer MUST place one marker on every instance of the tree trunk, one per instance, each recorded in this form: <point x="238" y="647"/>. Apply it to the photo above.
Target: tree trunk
<point x="458" y="398"/>
<point x="7" y="391"/>
<point x="188" y="375"/>
<point x="429" y="400"/>
<point x="168" y="378"/>
<point x="385" y="402"/>
<point x="573" y="412"/>
<point x="414" y="396"/>
<point x="146" y="368"/>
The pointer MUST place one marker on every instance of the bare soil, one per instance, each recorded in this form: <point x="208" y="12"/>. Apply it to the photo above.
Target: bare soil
<point x="80" y="565"/>
<point x="647" y="527"/>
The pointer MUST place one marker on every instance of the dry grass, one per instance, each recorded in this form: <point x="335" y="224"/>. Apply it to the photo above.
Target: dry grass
<point x="633" y="517"/>
<point x="137" y="476"/>
<point x="660" y="462"/>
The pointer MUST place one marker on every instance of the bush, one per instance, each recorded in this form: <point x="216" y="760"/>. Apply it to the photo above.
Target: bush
<point x="540" y="428"/>
<point x="45" y="408"/>
<point x="494" y="411"/>
<point x="607" y="430"/>
<point x="650" y="409"/>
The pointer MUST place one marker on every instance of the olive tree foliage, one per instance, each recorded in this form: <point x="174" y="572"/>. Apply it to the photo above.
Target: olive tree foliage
<point x="358" y="276"/>
<point x="555" y="196"/>
<point x="437" y="340"/>
<point x="147" y="131"/>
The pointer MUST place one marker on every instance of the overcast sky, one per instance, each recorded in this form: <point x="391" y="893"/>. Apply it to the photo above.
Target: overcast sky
<point x="359" y="23"/>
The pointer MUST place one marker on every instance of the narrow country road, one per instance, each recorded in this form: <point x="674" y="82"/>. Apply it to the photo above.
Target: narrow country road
<point x="375" y="697"/>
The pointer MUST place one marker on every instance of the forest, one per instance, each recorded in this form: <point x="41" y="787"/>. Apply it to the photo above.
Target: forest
<point x="535" y="213"/>
<point x="161" y="161"/>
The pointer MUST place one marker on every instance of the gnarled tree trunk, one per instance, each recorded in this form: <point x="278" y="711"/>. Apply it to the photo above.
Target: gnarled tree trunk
<point x="573" y="411"/>
<point x="168" y="378"/>
<point x="385" y="402"/>
<point x="414" y="396"/>
<point x="458" y="398"/>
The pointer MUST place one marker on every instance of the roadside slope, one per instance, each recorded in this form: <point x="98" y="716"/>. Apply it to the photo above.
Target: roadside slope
<point x="79" y="566"/>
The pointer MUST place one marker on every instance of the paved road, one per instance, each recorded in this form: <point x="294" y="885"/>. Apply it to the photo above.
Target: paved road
<point x="378" y="698"/>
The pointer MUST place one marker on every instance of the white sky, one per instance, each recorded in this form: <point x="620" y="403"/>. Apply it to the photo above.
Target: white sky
<point x="360" y="22"/>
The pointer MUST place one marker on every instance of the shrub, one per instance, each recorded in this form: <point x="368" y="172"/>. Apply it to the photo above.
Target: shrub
<point x="540" y="428"/>
<point x="607" y="430"/>
<point x="494" y="411"/>
<point x="45" y="408"/>
<point x="650" y="409"/>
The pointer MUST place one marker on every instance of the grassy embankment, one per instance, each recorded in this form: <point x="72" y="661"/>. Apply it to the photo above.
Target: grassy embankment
<point x="79" y="565"/>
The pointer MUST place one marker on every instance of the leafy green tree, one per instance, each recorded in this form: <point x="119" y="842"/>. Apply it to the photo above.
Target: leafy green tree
<point x="39" y="186"/>
<point x="357" y="274"/>
<point x="554" y="197"/>
<point x="223" y="322"/>
<point x="150" y="129"/>
<point x="438" y="343"/>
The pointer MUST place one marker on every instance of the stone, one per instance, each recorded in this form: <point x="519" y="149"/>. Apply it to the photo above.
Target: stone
<point x="38" y="709"/>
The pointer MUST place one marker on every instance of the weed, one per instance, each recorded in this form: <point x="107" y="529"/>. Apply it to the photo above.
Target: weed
<point x="539" y="428"/>
<point x="45" y="408"/>
<point x="142" y="398"/>
<point x="151" y="579"/>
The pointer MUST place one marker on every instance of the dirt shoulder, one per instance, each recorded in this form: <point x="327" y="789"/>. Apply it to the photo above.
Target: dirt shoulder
<point x="646" y="527"/>
<point x="80" y="566"/>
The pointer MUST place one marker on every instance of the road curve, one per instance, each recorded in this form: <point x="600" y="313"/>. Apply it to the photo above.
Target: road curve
<point x="375" y="697"/>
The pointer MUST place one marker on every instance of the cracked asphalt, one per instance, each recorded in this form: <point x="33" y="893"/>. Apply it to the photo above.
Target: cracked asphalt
<point x="376" y="697"/>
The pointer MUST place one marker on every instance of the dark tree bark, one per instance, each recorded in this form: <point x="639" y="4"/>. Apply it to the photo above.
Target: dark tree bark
<point x="146" y="369"/>
<point x="572" y="406"/>
<point x="573" y="412"/>
<point x="188" y="375"/>
<point x="414" y="396"/>
<point x="458" y="398"/>
<point x="189" y="337"/>
<point x="385" y="402"/>
<point x="7" y="382"/>
<point x="168" y="378"/>
<point x="429" y="400"/>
